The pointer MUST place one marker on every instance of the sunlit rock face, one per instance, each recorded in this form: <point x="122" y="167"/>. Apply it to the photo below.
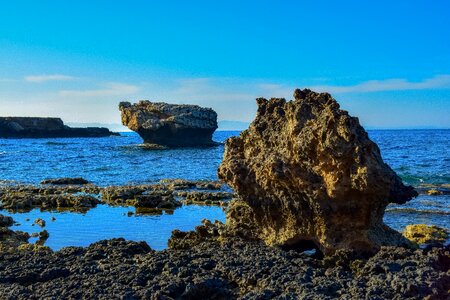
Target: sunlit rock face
<point x="306" y="171"/>
<point x="170" y="125"/>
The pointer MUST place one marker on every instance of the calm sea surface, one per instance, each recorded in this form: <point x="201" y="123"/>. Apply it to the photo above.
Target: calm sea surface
<point x="418" y="156"/>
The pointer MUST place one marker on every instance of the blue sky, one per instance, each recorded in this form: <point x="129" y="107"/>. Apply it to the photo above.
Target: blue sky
<point x="387" y="62"/>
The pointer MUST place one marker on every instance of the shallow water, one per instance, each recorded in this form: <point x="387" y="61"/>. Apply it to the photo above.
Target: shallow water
<point x="418" y="156"/>
<point x="105" y="222"/>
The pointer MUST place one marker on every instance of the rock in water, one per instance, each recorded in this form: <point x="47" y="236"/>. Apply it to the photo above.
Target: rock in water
<point x="33" y="127"/>
<point x="170" y="125"/>
<point x="307" y="172"/>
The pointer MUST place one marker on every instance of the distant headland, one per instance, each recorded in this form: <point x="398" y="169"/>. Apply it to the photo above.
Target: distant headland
<point x="36" y="127"/>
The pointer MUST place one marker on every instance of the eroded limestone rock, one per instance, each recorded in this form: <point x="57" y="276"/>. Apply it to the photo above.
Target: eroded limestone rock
<point x="307" y="171"/>
<point x="426" y="234"/>
<point x="165" y="125"/>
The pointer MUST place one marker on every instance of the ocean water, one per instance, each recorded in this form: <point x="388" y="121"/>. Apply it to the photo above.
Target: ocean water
<point x="420" y="157"/>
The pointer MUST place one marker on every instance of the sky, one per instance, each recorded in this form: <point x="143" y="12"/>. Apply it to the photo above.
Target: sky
<point x="387" y="62"/>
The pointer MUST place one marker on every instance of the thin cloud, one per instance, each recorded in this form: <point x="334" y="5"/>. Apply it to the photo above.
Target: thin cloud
<point x="44" y="78"/>
<point x="437" y="82"/>
<point x="110" y="89"/>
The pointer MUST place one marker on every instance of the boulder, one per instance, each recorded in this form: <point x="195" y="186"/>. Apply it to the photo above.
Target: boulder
<point x="426" y="234"/>
<point x="306" y="171"/>
<point x="163" y="125"/>
<point x="33" y="127"/>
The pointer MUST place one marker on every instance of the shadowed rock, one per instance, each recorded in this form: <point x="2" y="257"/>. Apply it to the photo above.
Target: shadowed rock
<point x="307" y="171"/>
<point x="32" y="127"/>
<point x="163" y="125"/>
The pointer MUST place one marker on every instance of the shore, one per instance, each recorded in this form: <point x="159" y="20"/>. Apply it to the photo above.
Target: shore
<point x="234" y="269"/>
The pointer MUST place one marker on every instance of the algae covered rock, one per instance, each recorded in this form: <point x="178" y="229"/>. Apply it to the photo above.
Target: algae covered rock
<point x="306" y="171"/>
<point x="163" y="125"/>
<point x="426" y="234"/>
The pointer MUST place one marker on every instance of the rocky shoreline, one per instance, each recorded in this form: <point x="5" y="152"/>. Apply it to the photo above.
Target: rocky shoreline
<point x="234" y="269"/>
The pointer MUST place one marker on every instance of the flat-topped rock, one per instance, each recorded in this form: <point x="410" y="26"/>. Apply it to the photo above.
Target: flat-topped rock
<point x="308" y="173"/>
<point x="34" y="127"/>
<point x="170" y="125"/>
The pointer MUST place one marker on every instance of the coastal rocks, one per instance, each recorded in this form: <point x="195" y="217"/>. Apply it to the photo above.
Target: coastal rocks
<point x="65" y="181"/>
<point x="236" y="269"/>
<point x="307" y="172"/>
<point x="163" y="125"/>
<point x="40" y="222"/>
<point x="29" y="197"/>
<point x="426" y="234"/>
<point x="143" y="196"/>
<point x="33" y="127"/>
<point x="6" y="221"/>
<point x="9" y="239"/>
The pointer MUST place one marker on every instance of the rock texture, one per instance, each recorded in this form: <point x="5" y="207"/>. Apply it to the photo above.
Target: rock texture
<point x="163" y="125"/>
<point x="426" y="234"/>
<point x="237" y="269"/>
<point x="306" y="171"/>
<point x="31" y="127"/>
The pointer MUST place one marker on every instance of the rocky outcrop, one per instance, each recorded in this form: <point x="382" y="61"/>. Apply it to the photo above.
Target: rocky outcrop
<point x="27" y="197"/>
<point x="163" y="125"/>
<point x="307" y="172"/>
<point x="65" y="181"/>
<point x="426" y="234"/>
<point x="33" y="127"/>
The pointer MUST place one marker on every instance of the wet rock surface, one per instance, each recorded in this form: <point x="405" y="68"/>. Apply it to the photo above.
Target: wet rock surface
<point x="65" y="181"/>
<point x="9" y="239"/>
<point x="235" y="269"/>
<point x="306" y="171"/>
<point x="27" y="197"/>
<point x="32" y="127"/>
<point x="70" y="193"/>
<point x="163" y="125"/>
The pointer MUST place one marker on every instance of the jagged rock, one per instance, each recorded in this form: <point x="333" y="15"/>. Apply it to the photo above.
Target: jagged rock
<point x="10" y="239"/>
<point x="32" y="127"/>
<point x="170" y="125"/>
<point x="143" y="196"/>
<point x="47" y="198"/>
<point x="307" y="171"/>
<point x="6" y="221"/>
<point x="426" y="234"/>
<point x="40" y="222"/>
<point x="65" y="181"/>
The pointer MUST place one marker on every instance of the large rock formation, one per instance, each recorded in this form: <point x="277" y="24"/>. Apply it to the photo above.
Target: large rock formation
<point x="170" y="125"/>
<point x="307" y="173"/>
<point x="33" y="127"/>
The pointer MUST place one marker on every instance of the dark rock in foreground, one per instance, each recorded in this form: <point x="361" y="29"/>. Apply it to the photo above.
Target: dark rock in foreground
<point x="163" y="125"/>
<point x="307" y="172"/>
<point x="33" y="127"/>
<point x="235" y="269"/>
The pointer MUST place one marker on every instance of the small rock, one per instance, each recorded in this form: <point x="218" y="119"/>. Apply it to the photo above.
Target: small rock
<point x="434" y="192"/>
<point x="6" y="221"/>
<point x="425" y="234"/>
<point x="40" y="222"/>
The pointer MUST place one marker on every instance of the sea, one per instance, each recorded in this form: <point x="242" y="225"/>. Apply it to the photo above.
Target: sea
<point x="420" y="157"/>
